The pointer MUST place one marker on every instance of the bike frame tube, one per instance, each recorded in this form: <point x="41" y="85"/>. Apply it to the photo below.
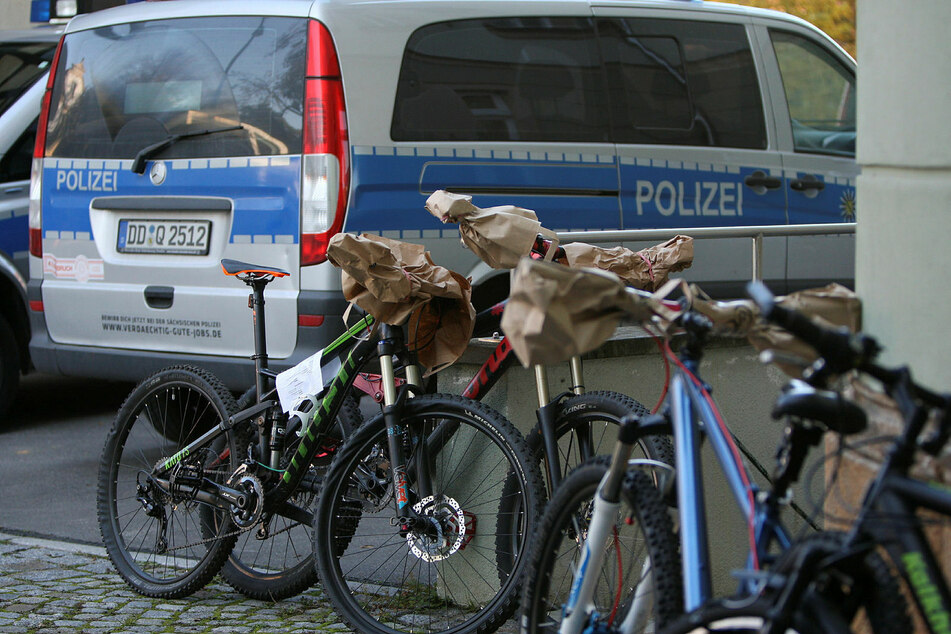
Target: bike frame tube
<point x="607" y="498"/>
<point x="891" y="521"/>
<point x="693" y="538"/>
<point x="335" y="391"/>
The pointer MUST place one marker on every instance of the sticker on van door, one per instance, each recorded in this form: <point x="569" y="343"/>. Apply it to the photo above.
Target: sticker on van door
<point x="80" y="268"/>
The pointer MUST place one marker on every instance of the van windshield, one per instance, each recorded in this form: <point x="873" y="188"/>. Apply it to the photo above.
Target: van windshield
<point x="119" y="89"/>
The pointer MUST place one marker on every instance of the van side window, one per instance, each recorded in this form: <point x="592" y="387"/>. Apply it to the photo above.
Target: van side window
<point x="121" y="88"/>
<point x="679" y="82"/>
<point x="820" y="93"/>
<point x="509" y="79"/>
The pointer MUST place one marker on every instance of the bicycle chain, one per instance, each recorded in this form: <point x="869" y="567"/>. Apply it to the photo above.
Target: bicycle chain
<point x="232" y="533"/>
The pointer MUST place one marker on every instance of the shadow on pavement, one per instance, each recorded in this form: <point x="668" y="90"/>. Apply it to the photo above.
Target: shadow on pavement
<point x="44" y="398"/>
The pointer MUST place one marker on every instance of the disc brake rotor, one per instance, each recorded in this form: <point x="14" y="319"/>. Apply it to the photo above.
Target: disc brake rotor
<point x="449" y="529"/>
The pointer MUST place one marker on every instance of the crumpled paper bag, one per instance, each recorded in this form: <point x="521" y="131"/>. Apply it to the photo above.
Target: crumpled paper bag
<point x="397" y="282"/>
<point x="647" y="269"/>
<point x="831" y="306"/>
<point x="555" y="312"/>
<point x="498" y="235"/>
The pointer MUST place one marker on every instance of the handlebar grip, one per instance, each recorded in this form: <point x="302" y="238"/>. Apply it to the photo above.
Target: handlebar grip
<point x="841" y="350"/>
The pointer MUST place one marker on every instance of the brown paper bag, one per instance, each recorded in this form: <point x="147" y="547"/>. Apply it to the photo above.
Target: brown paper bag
<point x="498" y="235"/>
<point x="397" y="281"/>
<point x="830" y="306"/>
<point x="647" y="269"/>
<point x="555" y="312"/>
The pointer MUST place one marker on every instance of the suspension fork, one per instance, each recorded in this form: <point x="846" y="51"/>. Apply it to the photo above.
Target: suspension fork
<point x="396" y="435"/>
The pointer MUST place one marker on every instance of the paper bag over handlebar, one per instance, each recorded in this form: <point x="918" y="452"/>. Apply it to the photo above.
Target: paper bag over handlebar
<point x="502" y="235"/>
<point x="555" y="312"/>
<point x="647" y="269"/>
<point x="829" y="306"/>
<point x="397" y="282"/>
<point x="498" y="235"/>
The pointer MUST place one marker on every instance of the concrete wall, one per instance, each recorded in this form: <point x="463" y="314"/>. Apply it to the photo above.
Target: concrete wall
<point x="904" y="190"/>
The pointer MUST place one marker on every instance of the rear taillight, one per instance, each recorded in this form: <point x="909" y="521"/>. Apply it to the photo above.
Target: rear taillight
<point x="325" y="165"/>
<point x="36" y="171"/>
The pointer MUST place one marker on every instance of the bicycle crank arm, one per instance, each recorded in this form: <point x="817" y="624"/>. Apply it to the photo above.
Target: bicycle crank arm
<point x="222" y="497"/>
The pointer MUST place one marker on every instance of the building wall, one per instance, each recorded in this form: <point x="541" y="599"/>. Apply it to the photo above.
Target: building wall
<point x="904" y="191"/>
<point x="14" y="14"/>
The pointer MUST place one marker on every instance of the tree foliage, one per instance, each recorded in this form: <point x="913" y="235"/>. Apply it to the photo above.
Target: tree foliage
<point x="835" y="17"/>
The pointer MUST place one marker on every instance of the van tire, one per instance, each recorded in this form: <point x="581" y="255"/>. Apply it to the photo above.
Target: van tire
<point x="9" y="367"/>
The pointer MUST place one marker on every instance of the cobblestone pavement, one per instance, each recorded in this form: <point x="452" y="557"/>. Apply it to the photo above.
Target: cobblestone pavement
<point x="57" y="587"/>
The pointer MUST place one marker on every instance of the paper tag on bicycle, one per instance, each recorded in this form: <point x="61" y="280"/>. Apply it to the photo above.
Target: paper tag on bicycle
<point x="306" y="378"/>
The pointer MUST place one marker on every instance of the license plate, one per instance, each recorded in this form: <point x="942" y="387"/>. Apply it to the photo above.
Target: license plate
<point x="174" y="237"/>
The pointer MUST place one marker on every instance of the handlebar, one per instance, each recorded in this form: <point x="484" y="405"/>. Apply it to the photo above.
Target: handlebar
<point x="841" y="349"/>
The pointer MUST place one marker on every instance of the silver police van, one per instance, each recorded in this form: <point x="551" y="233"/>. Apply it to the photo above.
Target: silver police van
<point x="178" y="133"/>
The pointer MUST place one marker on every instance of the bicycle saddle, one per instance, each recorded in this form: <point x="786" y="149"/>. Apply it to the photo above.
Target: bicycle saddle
<point x="254" y="271"/>
<point x="801" y="400"/>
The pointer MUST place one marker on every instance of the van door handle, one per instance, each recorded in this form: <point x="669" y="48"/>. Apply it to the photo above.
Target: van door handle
<point x="807" y="183"/>
<point x="159" y="296"/>
<point x="14" y="190"/>
<point x="761" y="179"/>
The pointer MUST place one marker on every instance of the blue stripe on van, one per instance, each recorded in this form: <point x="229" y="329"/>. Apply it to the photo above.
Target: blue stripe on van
<point x="569" y="192"/>
<point x="265" y="191"/>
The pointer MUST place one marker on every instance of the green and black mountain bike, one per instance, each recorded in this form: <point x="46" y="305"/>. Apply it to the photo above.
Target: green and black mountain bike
<point x="417" y="491"/>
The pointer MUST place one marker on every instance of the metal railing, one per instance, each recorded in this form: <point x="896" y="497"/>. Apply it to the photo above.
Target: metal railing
<point x="755" y="233"/>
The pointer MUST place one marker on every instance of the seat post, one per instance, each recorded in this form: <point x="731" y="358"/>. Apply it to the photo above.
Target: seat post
<point x="256" y="304"/>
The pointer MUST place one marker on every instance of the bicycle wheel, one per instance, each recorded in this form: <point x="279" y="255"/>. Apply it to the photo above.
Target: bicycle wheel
<point x="446" y="577"/>
<point x="855" y="595"/>
<point x="162" y="540"/>
<point x="640" y="577"/>
<point x="586" y="426"/>
<point x="596" y="416"/>
<point x="276" y="559"/>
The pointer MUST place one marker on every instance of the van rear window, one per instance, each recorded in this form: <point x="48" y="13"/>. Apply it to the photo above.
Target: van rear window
<point x="121" y="88"/>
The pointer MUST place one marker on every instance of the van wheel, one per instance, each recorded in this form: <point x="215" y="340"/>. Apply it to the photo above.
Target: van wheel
<point x="9" y="367"/>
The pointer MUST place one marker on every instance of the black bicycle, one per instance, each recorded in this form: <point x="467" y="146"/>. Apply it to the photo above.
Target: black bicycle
<point x="822" y="581"/>
<point x="182" y="477"/>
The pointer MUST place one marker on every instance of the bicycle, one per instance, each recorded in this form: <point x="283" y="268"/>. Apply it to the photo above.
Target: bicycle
<point x="571" y="599"/>
<point x="177" y="485"/>
<point x="798" y="596"/>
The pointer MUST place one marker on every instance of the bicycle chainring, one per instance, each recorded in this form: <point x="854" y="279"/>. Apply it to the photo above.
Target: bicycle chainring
<point x="250" y="514"/>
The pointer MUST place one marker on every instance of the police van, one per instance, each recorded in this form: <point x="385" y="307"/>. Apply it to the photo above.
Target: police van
<point x="178" y="133"/>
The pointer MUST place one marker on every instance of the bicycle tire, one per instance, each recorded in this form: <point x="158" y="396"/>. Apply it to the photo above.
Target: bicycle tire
<point x="162" y="412"/>
<point x="601" y="411"/>
<point x="644" y="540"/>
<point x="451" y="585"/>
<point x="282" y="564"/>
<point x="871" y="587"/>
<point x="866" y="598"/>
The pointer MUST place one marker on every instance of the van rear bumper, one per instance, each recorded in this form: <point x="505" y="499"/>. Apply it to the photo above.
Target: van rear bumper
<point x="123" y="364"/>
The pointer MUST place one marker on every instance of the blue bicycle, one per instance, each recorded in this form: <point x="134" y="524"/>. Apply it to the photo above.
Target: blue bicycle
<point x="584" y="577"/>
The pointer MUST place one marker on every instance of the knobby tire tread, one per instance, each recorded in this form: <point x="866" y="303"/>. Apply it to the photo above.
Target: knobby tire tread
<point x="206" y="382"/>
<point x="642" y="501"/>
